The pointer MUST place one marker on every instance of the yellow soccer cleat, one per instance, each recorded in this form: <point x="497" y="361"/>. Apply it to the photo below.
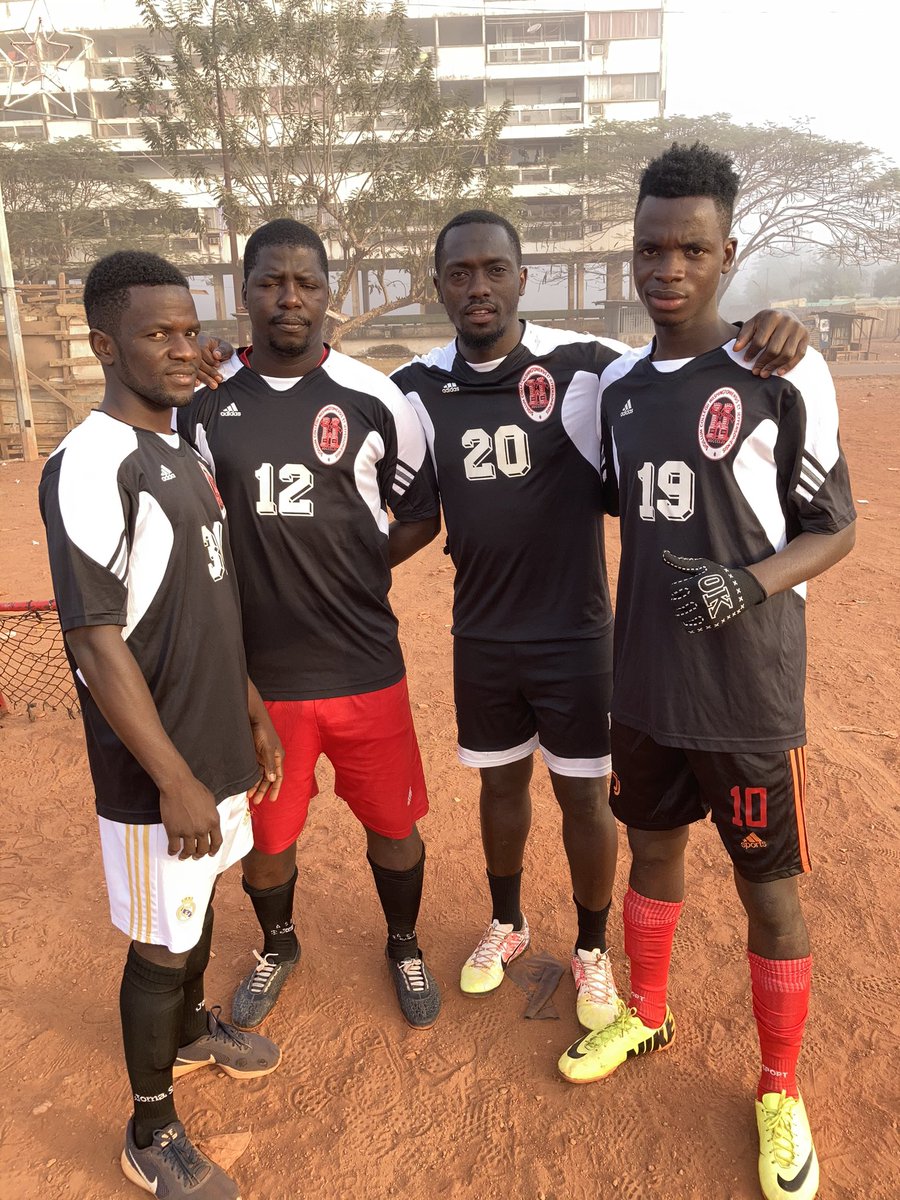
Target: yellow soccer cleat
<point x="596" y="996"/>
<point x="484" y="968"/>
<point x="788" y="1166"/>
<point x="597" y="1054"/>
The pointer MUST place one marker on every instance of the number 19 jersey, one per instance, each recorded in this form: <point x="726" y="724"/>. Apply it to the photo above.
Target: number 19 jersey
<point x="307" y="475"/>
<point x="708" y="460"/>
<point x="517" y="456"/>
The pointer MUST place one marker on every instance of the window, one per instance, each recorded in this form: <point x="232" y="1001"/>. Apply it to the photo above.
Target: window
<point x="611" y="26"/>
<point x="421" y="30"/>
<point x="539" y="28"/>
<point x="624" y="87"/>
<point x="460" y="31"/>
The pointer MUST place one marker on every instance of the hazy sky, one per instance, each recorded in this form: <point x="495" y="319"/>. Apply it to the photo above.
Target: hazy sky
<point x="835" y="63"/>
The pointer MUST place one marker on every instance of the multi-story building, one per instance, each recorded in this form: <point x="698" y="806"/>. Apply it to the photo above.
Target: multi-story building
<point x="559" y="66"/>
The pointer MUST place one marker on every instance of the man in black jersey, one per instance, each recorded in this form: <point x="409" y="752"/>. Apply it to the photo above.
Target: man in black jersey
<point x="148" y="602"/>
<point x="309" y="448"/>
<point x="732" y="491"/>
<point x="509" y="410"/>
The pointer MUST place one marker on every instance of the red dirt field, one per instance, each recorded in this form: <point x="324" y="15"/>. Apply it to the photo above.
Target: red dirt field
<point x="363" y="1107"/>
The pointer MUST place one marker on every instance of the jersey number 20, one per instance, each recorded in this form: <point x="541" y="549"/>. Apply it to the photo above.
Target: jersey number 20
<point x="512" y="452"/>
<point x="289" y="502"/>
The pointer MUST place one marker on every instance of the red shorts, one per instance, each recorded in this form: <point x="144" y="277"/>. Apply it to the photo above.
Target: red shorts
<point x="372" y="746"/>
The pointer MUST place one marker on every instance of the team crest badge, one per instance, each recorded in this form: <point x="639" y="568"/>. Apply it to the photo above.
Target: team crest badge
<point x="537" y="391"/>
<point x="720" y="423"/>
<point x="210" y="479"/>
<point x="330" y="434"/>
<point x="186" y="909"/>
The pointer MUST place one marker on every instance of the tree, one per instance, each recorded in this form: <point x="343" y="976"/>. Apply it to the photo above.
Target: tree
<point x="67" y="202"/>
<point x="887" y="281"/>
<point x="799" y="191"/>
<point x="324" y="111"/>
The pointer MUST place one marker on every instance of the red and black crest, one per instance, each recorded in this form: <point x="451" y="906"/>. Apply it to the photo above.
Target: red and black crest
<point x="720" y="423"/>
<point x="537" y="391"/>
<point x="330" y="434"/>
<point x="210" y="479"/>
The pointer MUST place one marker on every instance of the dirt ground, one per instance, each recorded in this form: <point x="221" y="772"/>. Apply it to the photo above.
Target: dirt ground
<point x="364" y="1107"/>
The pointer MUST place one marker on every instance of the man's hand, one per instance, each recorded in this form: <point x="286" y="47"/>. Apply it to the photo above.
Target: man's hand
<point x="269" y="750"/>
<point x="213" y="351"/>
<point x="191" y="819"/>
<point x="709" y="594"/>
<point x="775" y="339"/>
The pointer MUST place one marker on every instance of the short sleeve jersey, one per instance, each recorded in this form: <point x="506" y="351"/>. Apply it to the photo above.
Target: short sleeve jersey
<point x="709" y="460"/>
<point x="136" y="536"/>
<point x="517" y="456"/>
<point x="307" y="475"/>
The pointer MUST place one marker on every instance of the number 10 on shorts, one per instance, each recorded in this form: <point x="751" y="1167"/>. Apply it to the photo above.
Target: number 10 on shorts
<point x="749" y="808"/>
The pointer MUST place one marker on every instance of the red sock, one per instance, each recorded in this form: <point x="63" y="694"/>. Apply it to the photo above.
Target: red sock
<point x="780" y="1004"/>
<point x="649" y="933"/>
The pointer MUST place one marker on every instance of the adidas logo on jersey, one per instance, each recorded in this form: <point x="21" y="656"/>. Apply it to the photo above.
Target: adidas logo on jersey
<point x="450" y="387"/>
<point x="165" y="474"/>
<point x="627" y="410"/>
<point x="230" y="410"/>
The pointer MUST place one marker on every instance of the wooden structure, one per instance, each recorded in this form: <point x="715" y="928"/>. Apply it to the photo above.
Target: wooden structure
<point x="842" y="336"/>
<point x="64" y="377"/>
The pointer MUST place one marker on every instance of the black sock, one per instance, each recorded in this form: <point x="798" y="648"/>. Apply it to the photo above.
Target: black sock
<point x="506" y="893"/>
<point x="151" y="1001"/>
<point x="400" y="893"/>
<point x="193" y="1021"/>
<point x="591" y="927"/>
<point x="274" y="908"/>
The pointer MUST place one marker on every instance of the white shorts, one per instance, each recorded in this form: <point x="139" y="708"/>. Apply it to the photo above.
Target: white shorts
<point x="156" y="897"/>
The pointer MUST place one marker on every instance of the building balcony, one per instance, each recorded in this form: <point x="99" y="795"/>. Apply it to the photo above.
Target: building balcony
<point x="528" y="54"/>
<point x="545" y="114"/>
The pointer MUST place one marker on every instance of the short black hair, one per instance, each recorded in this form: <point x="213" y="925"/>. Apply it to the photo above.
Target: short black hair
<point x="477" y="216"/>
<point x="283" y="232"/>
<point x="696" y="170"/>
<point x="109" y="279"/>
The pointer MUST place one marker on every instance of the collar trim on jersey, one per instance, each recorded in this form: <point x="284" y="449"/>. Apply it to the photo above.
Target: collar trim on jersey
<point x="245" y="352"/>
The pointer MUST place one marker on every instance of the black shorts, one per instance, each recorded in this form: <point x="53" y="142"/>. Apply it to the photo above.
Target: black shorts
<point x="515" y="697"/>
<point x="755" y="800"/>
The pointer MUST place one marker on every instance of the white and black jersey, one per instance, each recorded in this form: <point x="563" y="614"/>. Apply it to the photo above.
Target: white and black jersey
<point x="307" y="475"/>
<point x="517" y="456"/>
<point x="705" y="459"/>
<point x="136" y="537"/>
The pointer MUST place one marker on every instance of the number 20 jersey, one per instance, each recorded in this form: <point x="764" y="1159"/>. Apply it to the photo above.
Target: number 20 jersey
<point x="307" y="475"/>
<point x="517" y="455"/>
<point x="709" y="460"/>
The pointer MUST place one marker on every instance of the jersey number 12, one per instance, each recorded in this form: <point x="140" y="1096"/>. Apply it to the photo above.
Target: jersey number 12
<point x="289" y="501"/>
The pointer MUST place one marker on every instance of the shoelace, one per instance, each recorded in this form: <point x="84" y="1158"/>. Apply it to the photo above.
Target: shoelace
<point x="780" y="1131"/>
<point x="413" y="971"/>
<point x="598" y="980"/>
<point x="608" y="1033"/>
<point x="489" y="947"/>
<point x="223" y="1032"/>
<point x="263" y="972"/>
<point x="181" y="1156"/>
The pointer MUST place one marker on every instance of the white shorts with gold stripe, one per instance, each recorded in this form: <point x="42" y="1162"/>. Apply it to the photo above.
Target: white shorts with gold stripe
<point x="156" y="897"/>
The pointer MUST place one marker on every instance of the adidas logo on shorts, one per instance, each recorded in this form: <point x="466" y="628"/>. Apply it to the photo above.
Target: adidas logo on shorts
<point x="627" y="410"/>
<point x="752" y="842"/>
<point x="165" y="474"/>
<point x="230" y="410"/>
<point x="450" y="387"/>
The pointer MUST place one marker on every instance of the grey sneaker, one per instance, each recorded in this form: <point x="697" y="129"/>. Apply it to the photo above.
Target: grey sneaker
<point x="240" y="1055"/>
<point x="256" y="995"/>
<point x="173" y="1167"/>
<point x="417" y="990"/>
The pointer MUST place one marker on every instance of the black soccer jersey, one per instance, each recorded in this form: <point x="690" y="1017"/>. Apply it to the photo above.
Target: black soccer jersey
<point x="517" y="455"/>
<point x="307" y="475"/>
<point x="708" y="460"/>
<point x="136" y="538"/>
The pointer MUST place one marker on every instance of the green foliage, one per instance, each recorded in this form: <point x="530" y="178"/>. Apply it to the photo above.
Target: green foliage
<point x="799" y="191"/>
<point x="329" y="113"/>
<point x="67" y="202"/>
<point x="887" y="281"/>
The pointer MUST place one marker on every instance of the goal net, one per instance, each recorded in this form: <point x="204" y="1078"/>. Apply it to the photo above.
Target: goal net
<point x="34" y="671"/>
